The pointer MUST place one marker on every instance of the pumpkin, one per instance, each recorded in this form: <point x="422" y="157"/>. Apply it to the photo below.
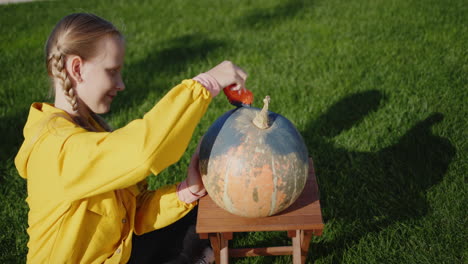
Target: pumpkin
<point x="253" y="162"/>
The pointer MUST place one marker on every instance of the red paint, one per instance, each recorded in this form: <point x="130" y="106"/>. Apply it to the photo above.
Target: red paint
<point x="238" y="97"/>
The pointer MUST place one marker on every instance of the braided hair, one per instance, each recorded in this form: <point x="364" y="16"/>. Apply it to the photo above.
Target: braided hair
<point x="75" y="34"/>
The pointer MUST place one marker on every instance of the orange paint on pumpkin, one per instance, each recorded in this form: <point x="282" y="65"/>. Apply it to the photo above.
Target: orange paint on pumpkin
<point x="252" y="178"/>
<point x="243" y="188"/>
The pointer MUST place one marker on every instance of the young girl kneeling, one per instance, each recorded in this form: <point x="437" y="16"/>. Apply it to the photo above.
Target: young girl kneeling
<point x="84" y="193"/>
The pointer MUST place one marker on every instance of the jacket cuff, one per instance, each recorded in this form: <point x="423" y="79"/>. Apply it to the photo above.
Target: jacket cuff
<point x="209" y="83"/>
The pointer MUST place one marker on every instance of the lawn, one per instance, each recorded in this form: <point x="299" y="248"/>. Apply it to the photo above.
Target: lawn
<point x="377" y="88"/>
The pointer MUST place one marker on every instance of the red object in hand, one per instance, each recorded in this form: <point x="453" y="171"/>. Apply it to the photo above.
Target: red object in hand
<point x="240" y="97"/>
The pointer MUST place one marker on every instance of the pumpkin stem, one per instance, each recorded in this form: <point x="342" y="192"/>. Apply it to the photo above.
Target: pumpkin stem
<point x="261" y="119"/>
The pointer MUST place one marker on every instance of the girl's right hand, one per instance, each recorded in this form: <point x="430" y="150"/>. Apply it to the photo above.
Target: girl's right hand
<point x="227" y="73"/>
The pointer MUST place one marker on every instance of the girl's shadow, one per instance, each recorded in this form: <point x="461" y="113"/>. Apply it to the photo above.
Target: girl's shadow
<point x="367" y="191"/>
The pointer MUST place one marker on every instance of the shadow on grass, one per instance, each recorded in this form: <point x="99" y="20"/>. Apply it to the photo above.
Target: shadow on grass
<point x="365" y="192"/>
<point x="12" y="136"/>
<point x="269" y="17"/>
<point x="13" y="209"/>
<point x="154" y="72"/>
<point x="368" y="191"/>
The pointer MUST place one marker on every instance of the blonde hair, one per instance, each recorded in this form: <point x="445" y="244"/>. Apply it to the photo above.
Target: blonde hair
<point x="75" y="34"/>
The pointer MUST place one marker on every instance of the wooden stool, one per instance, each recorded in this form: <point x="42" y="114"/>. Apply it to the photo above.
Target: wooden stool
<point x="301" y="220"/>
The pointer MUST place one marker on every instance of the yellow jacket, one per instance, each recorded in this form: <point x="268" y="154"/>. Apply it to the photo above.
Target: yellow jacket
<point x="82" y="186"/>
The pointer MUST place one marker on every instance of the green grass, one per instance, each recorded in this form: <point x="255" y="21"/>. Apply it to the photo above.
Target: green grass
<point x="377" y="88"/>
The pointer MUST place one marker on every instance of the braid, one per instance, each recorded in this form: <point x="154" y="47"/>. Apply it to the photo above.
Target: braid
<point x="59" y="72"/>
<point x="76" y="34"/>
<point x="101" y="122"/>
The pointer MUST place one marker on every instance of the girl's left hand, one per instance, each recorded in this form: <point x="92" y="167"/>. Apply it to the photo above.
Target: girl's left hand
<point x="194" y="181"/>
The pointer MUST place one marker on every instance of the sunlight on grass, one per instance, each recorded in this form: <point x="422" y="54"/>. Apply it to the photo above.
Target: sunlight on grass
<point x="376" y="88"/>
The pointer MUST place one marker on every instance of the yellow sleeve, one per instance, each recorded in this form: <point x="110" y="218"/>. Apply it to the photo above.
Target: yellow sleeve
<point x="93" y="163"/>
<point x="159" y="208"/>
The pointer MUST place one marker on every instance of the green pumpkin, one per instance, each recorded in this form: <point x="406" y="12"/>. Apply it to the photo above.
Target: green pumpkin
<point x="253" y="162"/>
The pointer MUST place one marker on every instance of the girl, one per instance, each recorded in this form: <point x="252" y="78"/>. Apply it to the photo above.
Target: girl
<point x="85" y="200"/>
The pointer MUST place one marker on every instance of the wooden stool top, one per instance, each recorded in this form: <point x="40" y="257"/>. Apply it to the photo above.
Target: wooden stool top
<point x="304" y="214"/>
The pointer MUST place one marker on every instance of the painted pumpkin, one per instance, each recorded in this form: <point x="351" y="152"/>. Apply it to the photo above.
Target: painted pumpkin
<point x="253" y="162"/>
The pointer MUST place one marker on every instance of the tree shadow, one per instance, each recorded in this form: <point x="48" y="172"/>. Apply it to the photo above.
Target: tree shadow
<point x="155" y="72"/>
<point x="368" y="191"/>
<point x="268" y="17"/>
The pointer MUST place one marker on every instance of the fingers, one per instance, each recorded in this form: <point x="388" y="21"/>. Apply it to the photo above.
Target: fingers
<point x="193" y="166"/>
<point x="227" y="73"/>
<point x="241" y="74"/>
<point x="241" y="77"/>
<point x="197" y="149"/>
<point x="239" y="84"/>
<point x="194" y="180"/>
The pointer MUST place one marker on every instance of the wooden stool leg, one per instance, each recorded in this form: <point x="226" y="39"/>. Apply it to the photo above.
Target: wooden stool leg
<point x="301" y="242"/>
<point x="306" y="237"/>
<point x="296" y="241"/>
<point x="224" y="249"/>
<point x="220" y="245"/>
<point x="215" y="244"/>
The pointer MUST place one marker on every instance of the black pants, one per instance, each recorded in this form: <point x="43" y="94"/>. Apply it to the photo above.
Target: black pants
<point x="176" y="243"/>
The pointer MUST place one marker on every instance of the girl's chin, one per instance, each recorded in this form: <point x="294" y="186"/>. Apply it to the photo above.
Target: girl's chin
<point x="102" y="109"/>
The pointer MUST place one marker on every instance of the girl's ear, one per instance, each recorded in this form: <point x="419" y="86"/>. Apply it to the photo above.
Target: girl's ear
<point x="75" y="67"/>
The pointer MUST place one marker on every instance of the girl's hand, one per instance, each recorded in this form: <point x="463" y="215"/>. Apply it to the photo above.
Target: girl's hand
<point x="194" y="181"/>
<point x="227" y="73"/>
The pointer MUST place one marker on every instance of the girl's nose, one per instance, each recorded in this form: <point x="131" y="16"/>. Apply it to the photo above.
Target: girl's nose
<point x="120" y="85"/>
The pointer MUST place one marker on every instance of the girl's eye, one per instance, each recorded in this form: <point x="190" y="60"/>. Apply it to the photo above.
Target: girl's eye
<point x="112" y="71"/>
